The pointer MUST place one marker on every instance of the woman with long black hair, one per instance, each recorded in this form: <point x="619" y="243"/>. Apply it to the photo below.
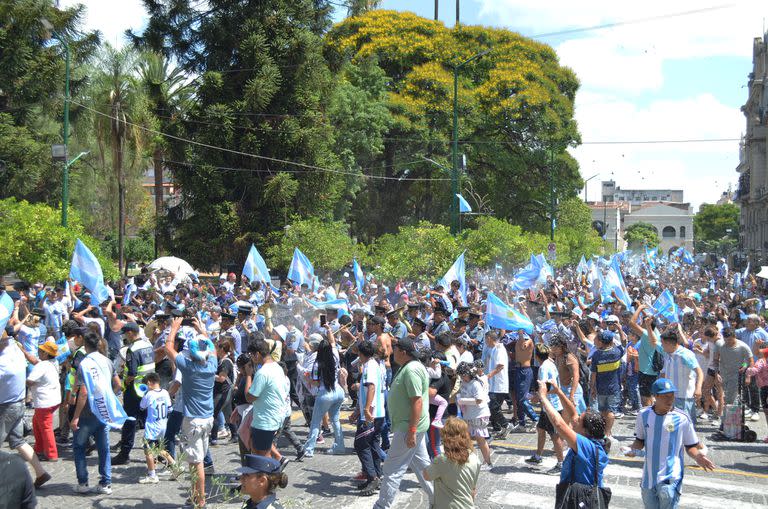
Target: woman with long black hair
<point x="330" y="395"/>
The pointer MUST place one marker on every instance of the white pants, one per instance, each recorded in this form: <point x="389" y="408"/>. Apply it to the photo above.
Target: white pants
<point x="399" y="458"/>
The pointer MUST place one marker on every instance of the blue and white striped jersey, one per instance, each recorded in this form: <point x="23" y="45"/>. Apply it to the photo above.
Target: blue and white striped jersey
<point x="665" y="437"/>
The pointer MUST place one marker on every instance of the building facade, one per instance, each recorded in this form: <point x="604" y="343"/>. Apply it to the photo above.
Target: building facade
<point x="613" y="193"/>
<point x="752" y="193"/>
<point x="673" y="222"/>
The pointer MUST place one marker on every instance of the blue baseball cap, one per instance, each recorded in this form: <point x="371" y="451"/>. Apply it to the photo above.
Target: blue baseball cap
<point x="255" y="464"/>
<point x="607" y="336"/>
<point x="663" y="386"/>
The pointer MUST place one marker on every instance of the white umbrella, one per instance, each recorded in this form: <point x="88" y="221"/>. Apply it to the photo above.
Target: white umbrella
<point x="172" y="264"/>
<point x="763" y="272"/>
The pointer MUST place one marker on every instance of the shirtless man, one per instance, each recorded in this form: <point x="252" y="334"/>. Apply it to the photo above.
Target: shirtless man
<point x="568" y="371"/>
<point x="524" y="377"/>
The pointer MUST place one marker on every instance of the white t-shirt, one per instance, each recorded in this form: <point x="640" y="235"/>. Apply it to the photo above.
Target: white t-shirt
<point x="157" y="403"/>
<point x="46" y="392"/>
<point x="500" y="381"/>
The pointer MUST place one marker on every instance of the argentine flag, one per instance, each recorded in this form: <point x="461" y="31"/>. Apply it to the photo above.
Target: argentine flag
<point x="499" y="315"/>
<point x="86" y="269"/>
<point x="359" y="277"/>
<point x="666" y="308"/>
<point x="456" y="273"/>
<point x="255" y="269"/>
<point x="340" y="305"/>
<point x="6" y="310"/>
<point x="301" y="270"/>
<point x="463" y="205"/>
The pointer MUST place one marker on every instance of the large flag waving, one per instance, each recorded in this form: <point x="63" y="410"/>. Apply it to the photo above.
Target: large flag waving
<point x="614" y="282"/>
<point x="255" y="269"/>
<point x="463" y="205"/>
<point x="301" y="270"/>
<point x="501" y="316"/>
<point x="86" y="269"/>
<point x="665" y="307"/>
<point x="650" y="254"/>
<point x="456" y="273"/>
<point x="582" y="268"/>
<point x="340" y="305"/>
<point x="102" y="400"/>
<point x="526" y="277"/>
<point x="6" y="310"/>
<point x="359" y="277"/>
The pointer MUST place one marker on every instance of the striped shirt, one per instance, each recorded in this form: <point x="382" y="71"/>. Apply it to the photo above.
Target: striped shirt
<point x="680" y="367"/>
<point x="665" y="437"/>
<point x="372" y="375"/>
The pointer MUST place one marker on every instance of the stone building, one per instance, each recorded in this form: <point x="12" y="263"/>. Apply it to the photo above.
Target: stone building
<point x="752" y="193"/>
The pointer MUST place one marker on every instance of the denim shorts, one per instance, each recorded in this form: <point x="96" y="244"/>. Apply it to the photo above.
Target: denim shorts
<point x="609" y="403"/>
<point x="12" y="424"/>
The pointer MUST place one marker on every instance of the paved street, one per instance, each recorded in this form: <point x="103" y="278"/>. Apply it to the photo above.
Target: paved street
<point x="323" y="481"/>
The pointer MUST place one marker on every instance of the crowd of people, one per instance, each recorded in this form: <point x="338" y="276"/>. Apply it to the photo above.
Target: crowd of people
<point x="200" y="364"/>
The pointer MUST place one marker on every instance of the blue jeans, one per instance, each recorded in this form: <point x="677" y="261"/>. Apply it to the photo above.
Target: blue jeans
<point x="632" y="391"/>
<point x="366" y="446"/>
<point x="688" y="406"/>
<point x="662" y="496"/>
<point x="387" y="421"/>
<point x="87" y="427"/>
<point x="522" y="388"/>
<point x="330" y="402"/>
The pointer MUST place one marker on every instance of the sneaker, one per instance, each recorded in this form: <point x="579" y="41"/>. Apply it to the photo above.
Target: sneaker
<point x="486" y="467"/>
<point x="704" y="416"/>
<point x="223" y="434"/>
<point x="747" y="413"/>
<point x="299" y="455"/>
<point x="437" y="423"/>
<point x="501" y="435"/>
<point x="165" y="473"/>
<point x="715" y="421"/>
<point x="371" y="487"/>
<point x="42" y="479"/>
<point x="62" y="441"/>
<point x="283" y="462"/>
<point x="82" y="489"/>
<point x="556" y="469"/>
<point x="325" y="432"/>
<point x="150" y="479"/>
<point x="213" y="443"/>
<point x="360" y="477"/>
<point x="755" y="417"/>
<point x="518" y="428"/>
<point x="534" y="460"/>
<point x="320" y="439"/>
<point x="631" y="413"/>
<point x="102" y="489"/>
<point x="120" y="459"/>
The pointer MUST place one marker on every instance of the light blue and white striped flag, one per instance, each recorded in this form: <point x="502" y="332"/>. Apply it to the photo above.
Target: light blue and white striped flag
<point x="463" y="205"/>
<point x="501" y="316"/>
<point x="101" y="399"/>
<point x="6" y="310"/>
<point x="359" y="277"/>
<point x="301" y="270"/>
<point x="255" y="269"/>
<point x="85" y="268"/>
<point x="456" y="273"/>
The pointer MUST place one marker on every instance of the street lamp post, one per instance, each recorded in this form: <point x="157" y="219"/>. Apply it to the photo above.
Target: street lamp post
<point x="455" y="144"/>
<point x="586" y="198"/>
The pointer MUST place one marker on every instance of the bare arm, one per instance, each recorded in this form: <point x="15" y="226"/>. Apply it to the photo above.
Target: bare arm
<point x="563" y="428"/>
<point x="633" y="321"/>
<point x="170" y="343"/>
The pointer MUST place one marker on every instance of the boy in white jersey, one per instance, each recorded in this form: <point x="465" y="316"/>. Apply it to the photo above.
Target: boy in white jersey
<point x="664" y="431"/>
<point x="157" y="403"/>
<point x="370" y="417"/>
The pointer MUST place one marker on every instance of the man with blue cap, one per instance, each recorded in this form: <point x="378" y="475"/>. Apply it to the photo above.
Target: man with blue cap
<point x="665" y="432"/>
<point x="260" y="476"/>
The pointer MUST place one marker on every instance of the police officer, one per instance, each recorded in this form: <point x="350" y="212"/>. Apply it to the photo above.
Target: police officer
<point x="247" y="324"/>
<point x="476" y="333"/>
<point x="397" y="329"/>
<point x="228" y="329"/>
<point x="139" y="361"/>
<point x="259" y="479"/>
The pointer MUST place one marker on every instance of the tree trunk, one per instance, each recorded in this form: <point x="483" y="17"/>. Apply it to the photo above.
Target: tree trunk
<point x="157" y="161"/>
<point x="117" y="163"/>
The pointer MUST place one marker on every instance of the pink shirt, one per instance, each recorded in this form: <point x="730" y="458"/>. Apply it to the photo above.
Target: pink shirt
<point x="761" y="370"/>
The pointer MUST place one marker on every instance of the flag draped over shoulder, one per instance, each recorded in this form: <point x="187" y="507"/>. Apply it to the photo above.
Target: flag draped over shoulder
<point x="85" y="268"/>
<point x="501" y="316"/>
<point x="102" y="400"/>
<point x="666" y="308"/>
<point x="359" y="277"/>
<point x="456" y="273"/>
<point x="255" y="269"/>
<point x="301" y="270"/>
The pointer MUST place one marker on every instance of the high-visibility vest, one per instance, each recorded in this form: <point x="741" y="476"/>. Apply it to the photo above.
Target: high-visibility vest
<point x="142" y="351"/>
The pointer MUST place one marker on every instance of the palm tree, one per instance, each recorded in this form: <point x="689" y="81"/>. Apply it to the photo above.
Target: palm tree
<point x="119" y="111"/>
<point x="169" y="93"/>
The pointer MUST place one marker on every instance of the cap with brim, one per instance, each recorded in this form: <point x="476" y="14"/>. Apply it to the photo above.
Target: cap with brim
<point x="314" y="340"/>
<point x="441" y="310"/>
<point x="254" y="464"/>
<point x="462" y="309"/>
<point x="377" y="320"/>
<point x="380" y="309"/>
<point x="612" y="319"/>
<point x="461" y="321"/>
<point x="225" y="314"/>
<point x="38" y="312"/>
<point x="10" y="331"/>
<point x="86" y="296"/>
<point x="50" y="347"/>
<point x="419" y="322"/>
<point x="593" y="316"/>
<point x="475" y="314"/>
<point x="414" y="305"/>
<point x="281" y="330"/>
<point x="663" y="386"/>
<point x="130" y="327"/>
<point x="393" y="313"/>
<point x="245" y="309"/>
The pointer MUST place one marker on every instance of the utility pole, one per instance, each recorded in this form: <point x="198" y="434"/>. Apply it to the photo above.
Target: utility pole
<point x="552" y="198"/>
<point x="437" y="2"/>
<point x="458" y="9"/>
<point x="455" y="140"/>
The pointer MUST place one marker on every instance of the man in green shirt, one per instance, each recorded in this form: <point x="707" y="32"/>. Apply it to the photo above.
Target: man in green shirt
<point x="408" y="403"/>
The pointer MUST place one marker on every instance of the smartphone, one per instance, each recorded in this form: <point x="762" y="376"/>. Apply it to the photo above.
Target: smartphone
<point x="549" y="386"/>
<point x="360" y="326"/>
<point x="322" y="320"/>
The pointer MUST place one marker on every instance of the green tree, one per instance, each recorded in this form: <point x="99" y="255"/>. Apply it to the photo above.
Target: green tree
<point x="37" y="248"/>
<point x="31" y="93"/>
<point x="495" y="241"/>
<point x="423" y="252"/>
<point x="640" y="234"/>
<point x="327" y="244"/>
<point x="716" y="222"/>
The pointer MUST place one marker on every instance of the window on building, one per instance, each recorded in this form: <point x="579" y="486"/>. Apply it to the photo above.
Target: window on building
<point x="668" y="232"/>
<point x="682" y="232"/>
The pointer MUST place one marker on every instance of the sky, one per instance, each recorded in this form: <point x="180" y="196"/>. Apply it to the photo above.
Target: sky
<point x="665" y="71"/>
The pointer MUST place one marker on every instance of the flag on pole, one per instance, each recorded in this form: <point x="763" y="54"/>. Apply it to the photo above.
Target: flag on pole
<point x="650" y="254"/>
<point x="340" y="305"/>
<point x="501" y="316"/>
<point x="456" y="273"/>
<point x="666" y="308"/>
<point x="85" y="268"/>
<point x="463" y="205"/>
<point x="6" y="310"/>
<point x="746" y="273"/>
<point x="614" y="282"/>
<point x="526" y="277"/>
<point x="255" y="269"/>
<point x="359" y="277"/>
<point x="582" y="268"/>
<point x="301" y="270"/>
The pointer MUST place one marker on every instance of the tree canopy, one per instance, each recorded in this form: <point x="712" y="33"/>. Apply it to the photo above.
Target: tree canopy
<point x="640" y="234"/>
<point x="714" y="222"/>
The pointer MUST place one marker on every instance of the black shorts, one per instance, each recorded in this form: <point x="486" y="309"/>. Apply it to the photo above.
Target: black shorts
<point x="261" y="440"/>
<point x="545" y="424"/>
<point x="644" y="384"/>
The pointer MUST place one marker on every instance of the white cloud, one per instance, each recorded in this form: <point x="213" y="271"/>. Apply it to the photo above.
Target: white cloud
<point x="112" y="17"/>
